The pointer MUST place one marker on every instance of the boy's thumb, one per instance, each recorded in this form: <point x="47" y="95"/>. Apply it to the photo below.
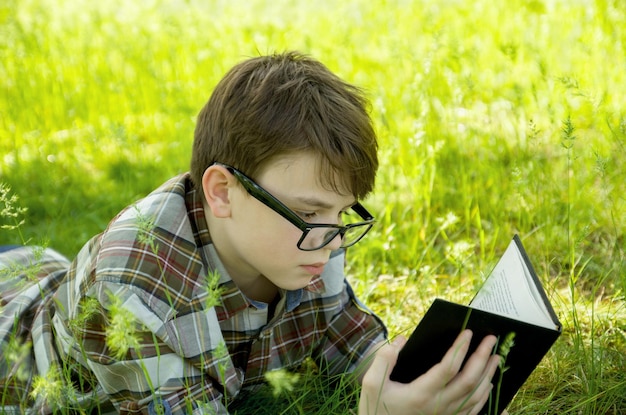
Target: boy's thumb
<point x="389" y="354"/>
<point x="397" y="344"/>
<point x="384" y="361"/>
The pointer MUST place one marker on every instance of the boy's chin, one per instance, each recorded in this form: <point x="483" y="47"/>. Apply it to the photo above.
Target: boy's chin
<point x="297" y="284"/>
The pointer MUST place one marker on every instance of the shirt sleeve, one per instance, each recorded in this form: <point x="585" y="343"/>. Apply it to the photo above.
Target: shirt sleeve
<point x="145" y="358"/>
<point x="141" y="372"/>
<point x="351" y="335"/>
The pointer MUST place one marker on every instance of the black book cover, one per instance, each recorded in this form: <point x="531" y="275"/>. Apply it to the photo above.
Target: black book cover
<point x="443" y="322"/>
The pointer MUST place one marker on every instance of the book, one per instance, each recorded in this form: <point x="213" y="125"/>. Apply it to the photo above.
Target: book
<point x="512" y="305"/>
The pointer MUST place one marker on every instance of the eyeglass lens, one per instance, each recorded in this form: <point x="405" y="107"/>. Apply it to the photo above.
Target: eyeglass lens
<point x="319" y="237"/>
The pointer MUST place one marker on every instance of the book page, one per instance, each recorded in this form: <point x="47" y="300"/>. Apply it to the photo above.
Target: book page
<point x="510" y="291"/>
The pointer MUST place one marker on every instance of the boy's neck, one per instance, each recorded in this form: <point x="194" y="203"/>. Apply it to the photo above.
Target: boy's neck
<point x="259" y="289"/>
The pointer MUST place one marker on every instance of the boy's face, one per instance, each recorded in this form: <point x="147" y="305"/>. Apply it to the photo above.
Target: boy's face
<point x="259" y="245"/>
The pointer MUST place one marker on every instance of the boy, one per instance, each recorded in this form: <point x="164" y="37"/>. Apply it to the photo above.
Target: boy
<point x="192" y="294"/>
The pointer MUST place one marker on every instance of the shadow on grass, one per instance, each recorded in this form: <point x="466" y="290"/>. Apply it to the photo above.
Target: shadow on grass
<point x="67" y="206"/>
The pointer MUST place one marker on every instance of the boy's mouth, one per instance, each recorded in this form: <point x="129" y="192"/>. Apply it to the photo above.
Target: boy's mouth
<point x="314" y="269"/>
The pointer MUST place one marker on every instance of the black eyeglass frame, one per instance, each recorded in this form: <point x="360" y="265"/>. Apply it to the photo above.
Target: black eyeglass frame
<point x="279" y="207"/>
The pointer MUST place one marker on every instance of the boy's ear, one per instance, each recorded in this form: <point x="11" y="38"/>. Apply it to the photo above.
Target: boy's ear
<point x="216" y="183"/>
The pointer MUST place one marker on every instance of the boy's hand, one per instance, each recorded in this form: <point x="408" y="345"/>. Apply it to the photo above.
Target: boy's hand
<point x="443" y="390"/>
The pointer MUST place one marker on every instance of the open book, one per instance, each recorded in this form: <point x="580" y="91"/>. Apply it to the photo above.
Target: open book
<point x="512" y="305"/>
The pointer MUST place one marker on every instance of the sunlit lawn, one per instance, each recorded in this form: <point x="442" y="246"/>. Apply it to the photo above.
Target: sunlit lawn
<point x="494" y="118"/>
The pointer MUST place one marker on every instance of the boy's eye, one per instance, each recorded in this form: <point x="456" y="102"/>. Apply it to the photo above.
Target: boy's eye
<point x="307" y="215"/>
<point x="342" y="216"/>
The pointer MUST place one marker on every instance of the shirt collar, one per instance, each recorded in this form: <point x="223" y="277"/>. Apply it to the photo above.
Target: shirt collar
<point x="316" y="286"/>
<point x="195" y="212"/>
<point x="234" y="301"/>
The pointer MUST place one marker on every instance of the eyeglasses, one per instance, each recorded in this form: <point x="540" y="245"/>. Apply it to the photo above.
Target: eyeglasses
<point x="314" y="235"/>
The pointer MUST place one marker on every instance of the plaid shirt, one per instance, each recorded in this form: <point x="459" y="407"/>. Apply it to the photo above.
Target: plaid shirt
<point x="137" y="322"/>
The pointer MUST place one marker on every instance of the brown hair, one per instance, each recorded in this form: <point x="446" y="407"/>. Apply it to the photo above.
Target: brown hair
<point x="276" y="105"/>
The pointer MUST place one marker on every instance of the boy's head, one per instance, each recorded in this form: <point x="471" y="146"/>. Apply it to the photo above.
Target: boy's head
<point x="284" y="104"/>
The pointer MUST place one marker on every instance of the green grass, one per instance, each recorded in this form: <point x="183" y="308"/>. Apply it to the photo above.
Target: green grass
<point x="494" y="118"/>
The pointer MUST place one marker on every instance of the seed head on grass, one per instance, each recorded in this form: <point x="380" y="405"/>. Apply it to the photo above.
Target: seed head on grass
<point x="459" y="252"/>
<point x="9" y="209"/>
<point x="146" y="227"/>
<point x="51" y="389"/>
<point x="88" y="308"/>
<point x="505" y="348"/>
<point x="13" y="272"/>
<point x="281" y="381"/>
<point x="222" y="356"/>
<point x="447" y="221"/>
<point x="19" y="274"/>
<point x="568" y="134"/>
<point x="34" y="267"/>
<point x="121" y="333"/>
<point x="16" y="354"/>
<point x="503" y="351"/>
<point x="214" y="291"/>
<point x="221" y="351"/>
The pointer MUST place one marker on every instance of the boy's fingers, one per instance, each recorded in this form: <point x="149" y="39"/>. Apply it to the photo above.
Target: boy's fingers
<point x="393" y="350"/>
<point x="481" y="402"/>
<point x="442" y="373"/>
<point x="384" y="361"/>
<point x="399" y="342"/>
<point x="475" y="379"/>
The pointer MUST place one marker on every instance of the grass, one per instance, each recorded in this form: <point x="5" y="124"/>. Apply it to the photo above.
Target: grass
<point x="494" y="118"/>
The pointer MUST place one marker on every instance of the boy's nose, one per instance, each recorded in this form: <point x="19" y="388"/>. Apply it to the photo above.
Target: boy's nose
<point x="335" y="243"/>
